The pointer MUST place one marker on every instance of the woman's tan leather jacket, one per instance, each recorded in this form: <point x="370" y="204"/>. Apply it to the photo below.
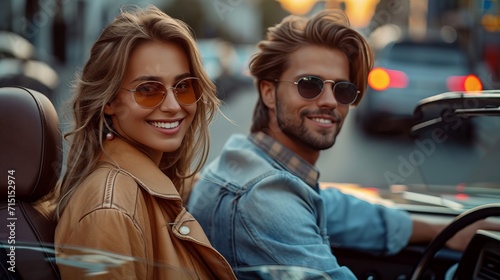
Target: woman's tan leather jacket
<point x="135" y="213"/>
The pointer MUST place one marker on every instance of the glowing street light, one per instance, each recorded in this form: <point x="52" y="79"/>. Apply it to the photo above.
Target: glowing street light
<point x="297" y="7"/>
<point x="360" y="12"/>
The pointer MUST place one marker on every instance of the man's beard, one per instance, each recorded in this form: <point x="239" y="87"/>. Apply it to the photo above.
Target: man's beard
<point x="293" y="126"/>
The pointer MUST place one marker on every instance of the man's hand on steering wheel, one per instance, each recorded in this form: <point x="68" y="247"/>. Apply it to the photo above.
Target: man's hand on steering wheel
<point x="460" y="240"/>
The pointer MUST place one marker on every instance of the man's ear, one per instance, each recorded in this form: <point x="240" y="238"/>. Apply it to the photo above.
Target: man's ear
<point x="268" y="92"/>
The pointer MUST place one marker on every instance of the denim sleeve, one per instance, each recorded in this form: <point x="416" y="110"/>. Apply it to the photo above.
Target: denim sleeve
<point x="357" y="224"/>
<point x="278" y="221"/>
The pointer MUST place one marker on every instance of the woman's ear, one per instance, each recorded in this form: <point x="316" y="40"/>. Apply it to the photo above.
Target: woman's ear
<point x="109" y="108"/>
<point x="268" y="92"/>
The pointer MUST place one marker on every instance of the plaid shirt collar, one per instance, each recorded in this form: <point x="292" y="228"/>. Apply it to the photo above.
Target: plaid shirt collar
<point x="291" y="161"/>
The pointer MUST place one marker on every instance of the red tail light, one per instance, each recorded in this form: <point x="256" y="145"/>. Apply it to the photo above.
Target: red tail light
<point x="381" y="79"/>
<point x="469" y="83"/>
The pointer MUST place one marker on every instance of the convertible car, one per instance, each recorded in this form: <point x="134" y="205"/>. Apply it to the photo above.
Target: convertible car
<point x="475" y="196"/>
<point x="31" y="160"/>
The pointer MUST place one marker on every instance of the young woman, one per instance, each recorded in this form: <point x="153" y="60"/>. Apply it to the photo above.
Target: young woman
<point x="141" y="109"/>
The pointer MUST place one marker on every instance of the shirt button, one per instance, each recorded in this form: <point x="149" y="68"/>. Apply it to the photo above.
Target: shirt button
<point x="184" y="230"/>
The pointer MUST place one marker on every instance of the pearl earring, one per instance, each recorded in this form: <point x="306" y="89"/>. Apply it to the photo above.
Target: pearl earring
<point x="110" y="136"/>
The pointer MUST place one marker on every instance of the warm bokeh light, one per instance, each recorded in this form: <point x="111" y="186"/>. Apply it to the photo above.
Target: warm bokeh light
<point x="368" y="194"/>
<point x="472" y="83"/>
<point x="360" y="12"/>
<point x="469" y="83"/>
<point x="462" y="196"/>
<point x="378" y="79"/>
<point x="491" y="23"/>
<point x="297" y="7"/>
<point x="381" y="79"/>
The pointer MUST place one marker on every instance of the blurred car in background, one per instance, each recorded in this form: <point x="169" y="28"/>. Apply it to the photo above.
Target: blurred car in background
<point x="227" y="65"/>
<point x="407" y="71"/>
<point x="20" y="67"/>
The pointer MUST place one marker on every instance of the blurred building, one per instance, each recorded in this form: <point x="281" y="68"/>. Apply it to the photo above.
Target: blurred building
<point x="477" y="23"/>
<point x="63" y="30"/>
<point x="473" y="23"/>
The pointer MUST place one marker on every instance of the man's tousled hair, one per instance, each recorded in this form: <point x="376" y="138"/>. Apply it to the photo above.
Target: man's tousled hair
<point x="328" y="28"/>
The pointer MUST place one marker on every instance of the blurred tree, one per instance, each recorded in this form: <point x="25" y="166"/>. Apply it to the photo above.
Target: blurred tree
<point x="6" y="16"/>
<point x="59" y="37"/>
<point x="193" y="13"/>
<point x="272" y="13"/>
<point x="196" y="14"/>
<point x="30" y="10"/>
<point x="188" y="11"/>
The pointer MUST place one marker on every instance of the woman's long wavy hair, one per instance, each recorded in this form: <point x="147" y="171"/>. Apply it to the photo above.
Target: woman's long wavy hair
<point x="328" y="28"/>
<point x="100" y="81"/>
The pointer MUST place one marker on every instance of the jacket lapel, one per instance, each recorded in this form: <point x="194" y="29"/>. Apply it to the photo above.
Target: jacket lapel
<point x="139" y="166"/>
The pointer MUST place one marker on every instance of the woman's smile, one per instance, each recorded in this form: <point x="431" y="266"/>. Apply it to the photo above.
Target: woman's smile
<point x="166" y="127"/>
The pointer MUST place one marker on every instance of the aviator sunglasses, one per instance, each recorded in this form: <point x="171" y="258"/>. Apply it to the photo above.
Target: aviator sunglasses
<point x="310" y="87"/>
<point x="151" y="93"/>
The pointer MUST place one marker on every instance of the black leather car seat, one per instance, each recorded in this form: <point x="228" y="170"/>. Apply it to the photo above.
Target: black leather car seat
<point x="30" y="165"/>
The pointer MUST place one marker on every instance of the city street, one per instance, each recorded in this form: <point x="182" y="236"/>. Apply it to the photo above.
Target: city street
<point x="423" y="140"/>
<point x="372" y="161"/>
<point x="368" y="160"/>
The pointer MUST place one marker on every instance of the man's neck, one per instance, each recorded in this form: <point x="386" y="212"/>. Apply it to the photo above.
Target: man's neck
<point x="302" y="150"/>
<point x="290" y="160"/>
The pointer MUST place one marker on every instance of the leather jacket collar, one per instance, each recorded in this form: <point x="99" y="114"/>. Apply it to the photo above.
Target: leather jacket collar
<point x="139" y="166"/>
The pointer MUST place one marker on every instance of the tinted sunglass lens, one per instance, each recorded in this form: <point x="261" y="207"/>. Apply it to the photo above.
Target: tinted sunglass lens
<point x="345" y="92"/>
<point x="310" y="87"/>
<point x="149" y="94"/>
<point x="187" y="91"/>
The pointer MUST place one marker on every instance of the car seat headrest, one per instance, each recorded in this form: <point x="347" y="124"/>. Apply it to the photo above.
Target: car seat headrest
<point x="30" y="144"/>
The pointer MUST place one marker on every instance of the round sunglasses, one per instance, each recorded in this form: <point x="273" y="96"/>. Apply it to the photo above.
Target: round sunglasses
<point x="310" y="87"/>
<point x="151" y="93"/>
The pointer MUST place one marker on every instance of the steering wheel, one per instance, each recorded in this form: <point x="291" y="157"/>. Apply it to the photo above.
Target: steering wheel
<point x="460" y="222"/>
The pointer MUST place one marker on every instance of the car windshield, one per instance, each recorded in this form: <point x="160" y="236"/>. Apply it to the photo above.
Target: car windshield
<point x="436" y="167"/>
<point x="461" y="174"/>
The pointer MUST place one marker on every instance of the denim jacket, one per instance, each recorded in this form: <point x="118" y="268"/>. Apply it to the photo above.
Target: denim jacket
<point x="259" y="204"/>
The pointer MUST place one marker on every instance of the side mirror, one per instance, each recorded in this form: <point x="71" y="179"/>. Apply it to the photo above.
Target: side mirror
<point x="451" y="112"/>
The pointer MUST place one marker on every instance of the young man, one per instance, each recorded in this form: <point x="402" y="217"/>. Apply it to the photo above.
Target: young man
<point x="259" y="201"/>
